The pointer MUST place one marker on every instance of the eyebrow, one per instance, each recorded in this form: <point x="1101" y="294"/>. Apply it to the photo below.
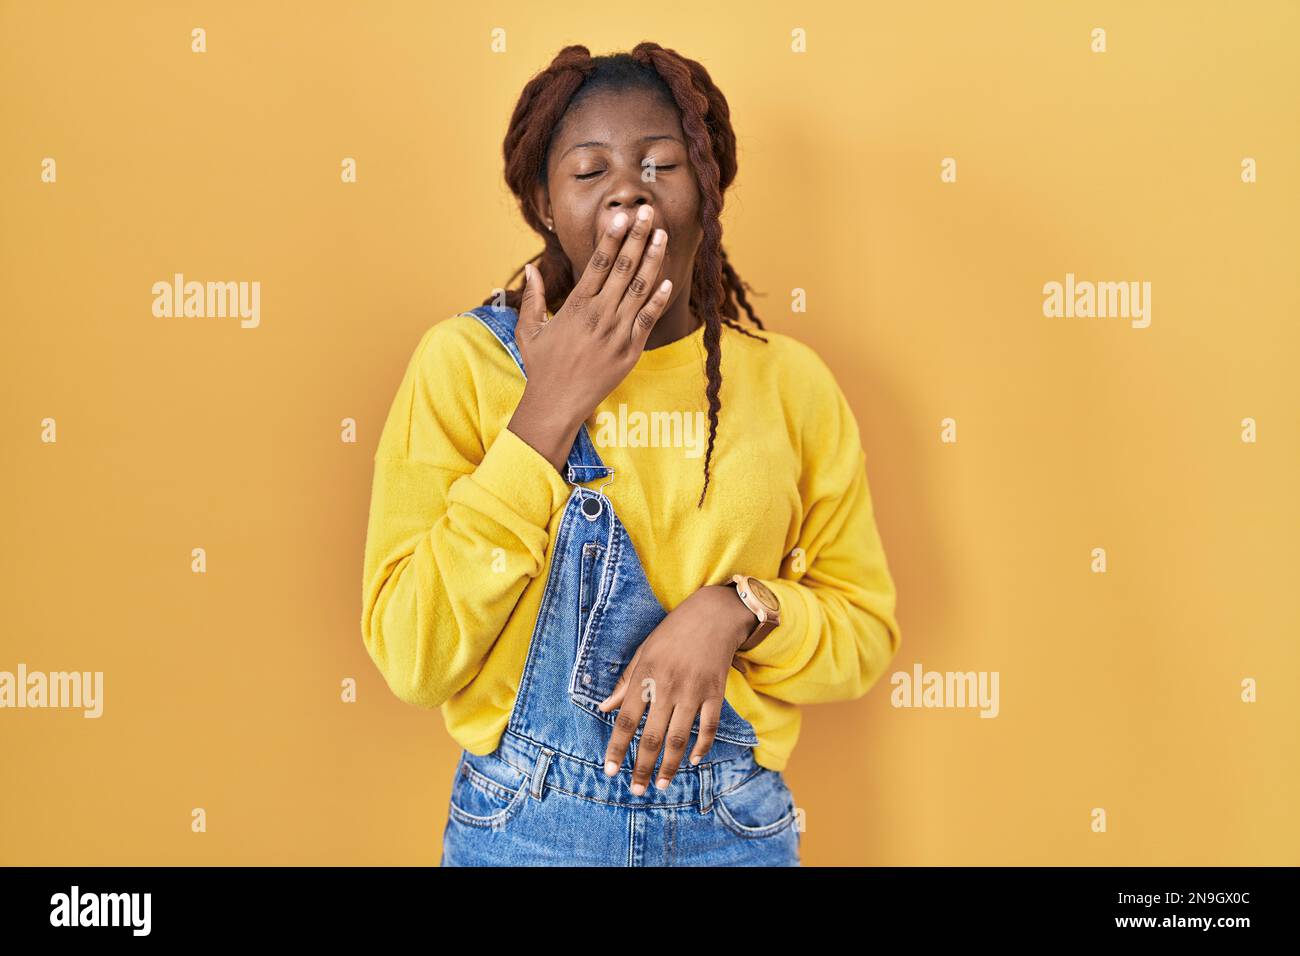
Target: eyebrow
<point x="595" y="142"/>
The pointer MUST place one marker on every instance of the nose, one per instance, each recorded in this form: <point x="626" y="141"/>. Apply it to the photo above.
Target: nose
<point x="612" y="209"/>
<point x="627" y="195"/>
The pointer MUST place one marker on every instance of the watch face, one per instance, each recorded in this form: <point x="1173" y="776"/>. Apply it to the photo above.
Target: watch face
<point x="763" y="593"/>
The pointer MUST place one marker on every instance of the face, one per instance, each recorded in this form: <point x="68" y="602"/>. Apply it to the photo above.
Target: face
<point x="616" y="152"/>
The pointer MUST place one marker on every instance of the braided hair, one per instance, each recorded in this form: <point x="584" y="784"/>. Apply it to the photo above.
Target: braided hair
<point x="574" y="74"/>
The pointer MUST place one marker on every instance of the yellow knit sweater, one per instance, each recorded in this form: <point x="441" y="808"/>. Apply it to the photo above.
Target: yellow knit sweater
<point x="463" y="516"/>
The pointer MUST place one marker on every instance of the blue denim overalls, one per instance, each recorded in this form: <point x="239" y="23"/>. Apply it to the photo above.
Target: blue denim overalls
<point x="542" y="797"/>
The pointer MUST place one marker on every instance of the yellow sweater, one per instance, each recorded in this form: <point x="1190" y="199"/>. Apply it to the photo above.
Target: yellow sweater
<point x="463" y="516"/>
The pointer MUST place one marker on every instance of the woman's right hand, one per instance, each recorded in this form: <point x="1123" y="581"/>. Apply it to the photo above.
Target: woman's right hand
<point x="577" y="357"/>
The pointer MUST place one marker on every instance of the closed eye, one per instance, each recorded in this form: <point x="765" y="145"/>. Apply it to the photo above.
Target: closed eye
<point x="586" y="176"/>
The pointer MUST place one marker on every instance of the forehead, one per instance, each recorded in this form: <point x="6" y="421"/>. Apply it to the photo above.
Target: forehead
<point x="618" y="118"/>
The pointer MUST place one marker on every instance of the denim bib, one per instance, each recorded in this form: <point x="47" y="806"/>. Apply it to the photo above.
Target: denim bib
<point x="542" y="797"/>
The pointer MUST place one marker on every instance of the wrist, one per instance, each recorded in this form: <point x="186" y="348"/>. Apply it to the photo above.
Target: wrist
<point x="743" y="621"/>
<point x="536" y="401"/>
<point x="547" y="430"/>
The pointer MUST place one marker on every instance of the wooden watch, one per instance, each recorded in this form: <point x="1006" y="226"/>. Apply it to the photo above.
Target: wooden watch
<point x="758" y="597"/>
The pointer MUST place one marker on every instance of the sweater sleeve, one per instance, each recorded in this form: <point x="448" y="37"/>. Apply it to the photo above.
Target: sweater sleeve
<point x="838" y="631"/>
<point x="458" y="524"/>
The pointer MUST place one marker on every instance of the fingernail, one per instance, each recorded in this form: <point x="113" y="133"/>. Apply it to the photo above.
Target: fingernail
<point x="619" y="220"/>
<point x="643" y="212"/>
<point x="695" y="760"/>
<point x="661" y="783"/>
<point x="659" y="236"/>
<point x="611" y="768"/>
<point x="638" y="788"/>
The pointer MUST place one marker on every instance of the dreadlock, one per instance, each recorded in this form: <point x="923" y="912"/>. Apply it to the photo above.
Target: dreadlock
<point x="574" y="74"/>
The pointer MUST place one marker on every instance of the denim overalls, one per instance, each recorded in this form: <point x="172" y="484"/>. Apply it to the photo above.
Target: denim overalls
<point x="542" y="797"/>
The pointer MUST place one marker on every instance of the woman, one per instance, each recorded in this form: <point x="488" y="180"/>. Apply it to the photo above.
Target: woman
<point x="521" y="580"/>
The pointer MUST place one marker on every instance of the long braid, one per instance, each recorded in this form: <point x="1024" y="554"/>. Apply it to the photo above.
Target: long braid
<point x="716" y="287"/>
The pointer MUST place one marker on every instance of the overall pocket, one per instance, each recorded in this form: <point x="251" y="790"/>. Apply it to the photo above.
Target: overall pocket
<point x="759" y="806"/>
<point x="487" y="791"/>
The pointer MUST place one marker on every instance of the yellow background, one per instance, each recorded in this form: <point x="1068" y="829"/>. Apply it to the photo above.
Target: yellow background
<point x="1119" y="691"/>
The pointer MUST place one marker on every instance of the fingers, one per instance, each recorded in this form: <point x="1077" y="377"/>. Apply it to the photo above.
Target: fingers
<point x="626" y="262"/>
<point x="532" y="307"/>
<point x="649" y="314"/>
<point x="667" y="727"/>
<point x="625" y="725"/>
<point x="645" y="284"/>
<point x="652" y="738"/>
<point x="710" y="714"/>
<point x="593" y="277"/>
<point x="679" y="735"/>
<point x="615" y="699"/>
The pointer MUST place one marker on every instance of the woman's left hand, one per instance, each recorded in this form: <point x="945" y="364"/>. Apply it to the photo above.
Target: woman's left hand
<point x="680" y="670"/>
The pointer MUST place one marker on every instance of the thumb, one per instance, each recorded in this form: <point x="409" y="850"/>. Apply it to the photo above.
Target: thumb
<point x="532" y="307"/>
<point x="615" y="699"/>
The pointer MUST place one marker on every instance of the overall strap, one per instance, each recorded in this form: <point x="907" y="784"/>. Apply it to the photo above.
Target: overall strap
<point x="584" y="464"/>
